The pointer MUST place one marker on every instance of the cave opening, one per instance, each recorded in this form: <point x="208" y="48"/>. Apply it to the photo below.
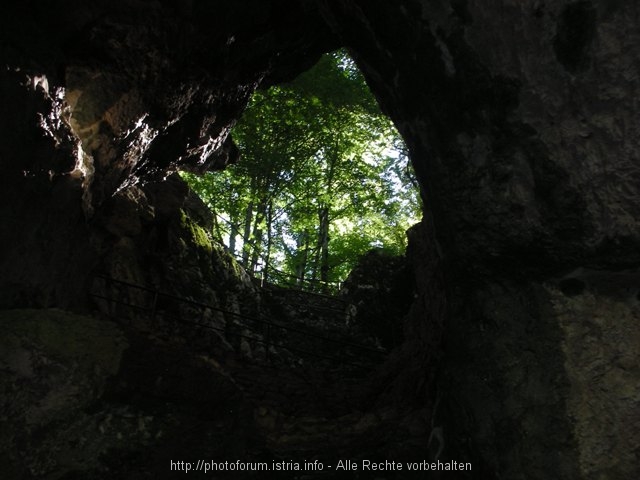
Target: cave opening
<point x="323" y="178"/>
<point x="182" y="335"/>
<point x="186" y="344"/>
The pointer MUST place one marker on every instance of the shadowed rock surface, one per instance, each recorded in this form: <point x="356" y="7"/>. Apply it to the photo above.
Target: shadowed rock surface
<point x="521" y="347"/>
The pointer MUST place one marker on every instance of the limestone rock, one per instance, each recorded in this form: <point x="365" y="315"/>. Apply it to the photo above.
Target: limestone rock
<point x="381" y="290"/>
<point x="520" y="119"/>
<point x="82" y="398"/>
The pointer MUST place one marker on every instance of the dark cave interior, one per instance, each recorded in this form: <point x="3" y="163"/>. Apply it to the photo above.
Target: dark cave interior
<point x="519" y="350"/>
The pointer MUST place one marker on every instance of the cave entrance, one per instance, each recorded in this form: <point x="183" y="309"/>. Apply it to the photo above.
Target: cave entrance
<point x="323" y="178"/>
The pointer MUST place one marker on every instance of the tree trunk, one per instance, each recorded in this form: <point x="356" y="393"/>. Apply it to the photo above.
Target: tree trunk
<point x="232" y="239"/>
<point x="322" y="255"/>
<point x="258" y="234"/>
<point x="217" y="231"/>
<point x="302" y="243"/>
<point x="267" y="256"/>
<point x="315" y="266"/>
<point x="246" y="246"/>
<point x="323" y="243"/>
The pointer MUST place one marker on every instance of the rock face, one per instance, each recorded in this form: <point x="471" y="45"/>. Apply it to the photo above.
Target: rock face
<point x="100" y="98"/>
<point x="517" y="117"/>
<point x="156" y="236"/>
<point x="380" y="291"/>
<point x="82" y="399"/>
<point x="520" y="117"/>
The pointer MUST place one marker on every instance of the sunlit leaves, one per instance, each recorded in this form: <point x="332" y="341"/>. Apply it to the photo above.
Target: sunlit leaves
<point x="321" y="178"/>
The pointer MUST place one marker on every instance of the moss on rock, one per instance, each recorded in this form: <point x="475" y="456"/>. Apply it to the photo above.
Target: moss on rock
<point x="197" y="233"/>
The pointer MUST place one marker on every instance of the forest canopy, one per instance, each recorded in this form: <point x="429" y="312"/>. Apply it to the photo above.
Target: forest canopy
<point x="323" y="178"/>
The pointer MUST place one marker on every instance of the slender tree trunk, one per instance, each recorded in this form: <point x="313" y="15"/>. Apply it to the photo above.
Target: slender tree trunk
<point x="322" y="254"/>
<point x="267" y="256"/>
<point x="258" y="234"/>
<point x="323" y="244"/>
<point x="302" y="244"/>
<point x="246" y="237"/>
<point x="232" y="239"/>
<point x="217" y="232"/>
<point x="316" y="260"/>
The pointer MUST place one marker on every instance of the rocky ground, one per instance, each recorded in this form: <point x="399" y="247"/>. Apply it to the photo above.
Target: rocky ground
<point x="104" y="396"/>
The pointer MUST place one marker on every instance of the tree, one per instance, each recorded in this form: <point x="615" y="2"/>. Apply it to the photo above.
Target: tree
<point x="319" y="181"/>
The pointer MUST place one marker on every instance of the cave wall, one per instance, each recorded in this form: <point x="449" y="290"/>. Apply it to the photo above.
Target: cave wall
<point x="84" y="399"/>
<point x="520" y="119"/>
<point x="103" y="97"/>
<point x="519" y="116"/>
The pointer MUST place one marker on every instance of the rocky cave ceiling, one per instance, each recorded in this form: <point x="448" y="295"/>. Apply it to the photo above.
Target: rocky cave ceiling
<point x="521" y="118"/>
<point x="150" y="85"/>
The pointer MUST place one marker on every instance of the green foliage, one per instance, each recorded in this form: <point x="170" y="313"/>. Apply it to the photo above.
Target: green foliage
<point x="322" y="177"/>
